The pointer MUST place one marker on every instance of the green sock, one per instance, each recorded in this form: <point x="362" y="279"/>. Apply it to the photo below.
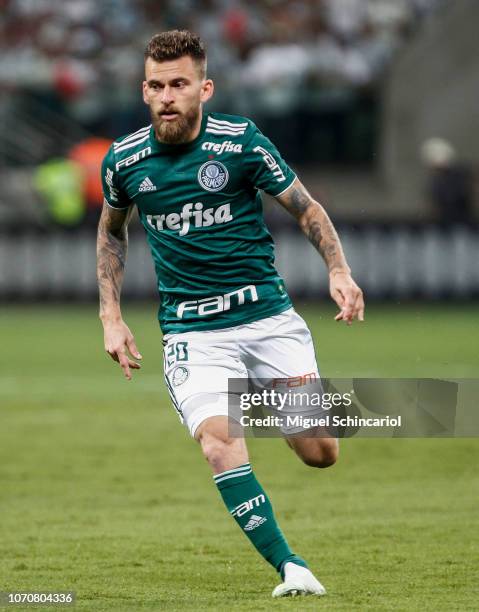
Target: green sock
<point x="247" y="501"/>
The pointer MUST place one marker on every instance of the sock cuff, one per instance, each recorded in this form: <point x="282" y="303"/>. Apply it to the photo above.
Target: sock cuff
<point x="238" y="472"/>
<point x="292" y="558"/>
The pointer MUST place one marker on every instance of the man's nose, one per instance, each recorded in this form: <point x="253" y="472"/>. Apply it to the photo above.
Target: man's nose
<point x="167" y="95"/>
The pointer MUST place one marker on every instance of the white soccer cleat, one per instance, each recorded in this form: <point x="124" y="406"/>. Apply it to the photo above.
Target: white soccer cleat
<point x="298" y="580"/>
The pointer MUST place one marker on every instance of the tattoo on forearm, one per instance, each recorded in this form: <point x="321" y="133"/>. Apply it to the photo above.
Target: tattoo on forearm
<point x="323" y="237"/>
<point x="316" y="224"/>
<point x="299" y="201"/>
<point x="112" y="245"/>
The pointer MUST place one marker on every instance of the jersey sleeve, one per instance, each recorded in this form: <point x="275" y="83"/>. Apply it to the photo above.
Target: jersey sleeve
<point x="112" y="191"/>
<point x="265" y="168"/>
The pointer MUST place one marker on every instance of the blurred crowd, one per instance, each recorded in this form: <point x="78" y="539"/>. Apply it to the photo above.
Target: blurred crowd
<point x="307" y="71"/>
<point x="269" y="56"/>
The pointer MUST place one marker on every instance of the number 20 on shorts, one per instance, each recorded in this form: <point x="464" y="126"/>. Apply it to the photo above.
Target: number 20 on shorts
<point x="176" y="351"/>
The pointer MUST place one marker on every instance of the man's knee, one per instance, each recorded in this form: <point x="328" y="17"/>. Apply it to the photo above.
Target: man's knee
<point x="214" y="449"/>
<point x="318" y="453"/>
<point x="320" y="461"/>
<point x="220" y="451"/>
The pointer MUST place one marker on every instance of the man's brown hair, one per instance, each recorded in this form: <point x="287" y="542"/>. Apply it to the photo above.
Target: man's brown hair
<point x="174" y="44"/>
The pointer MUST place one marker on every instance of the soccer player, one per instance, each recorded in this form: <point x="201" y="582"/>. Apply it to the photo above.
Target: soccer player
<point x="195" y="179"/>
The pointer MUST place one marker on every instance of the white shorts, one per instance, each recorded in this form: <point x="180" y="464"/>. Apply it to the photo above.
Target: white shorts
<point x="198" y="364"/>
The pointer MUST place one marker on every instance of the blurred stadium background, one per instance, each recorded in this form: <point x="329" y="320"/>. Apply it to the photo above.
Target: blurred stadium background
<point x="374" y="103"/>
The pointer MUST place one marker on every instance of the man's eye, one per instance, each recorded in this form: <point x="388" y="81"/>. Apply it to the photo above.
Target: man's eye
<point x="180" y="84"/>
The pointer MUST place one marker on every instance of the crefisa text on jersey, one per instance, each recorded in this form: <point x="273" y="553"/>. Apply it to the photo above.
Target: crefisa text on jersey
<point x="191" y="215"/>
<point x="222" y="147"/>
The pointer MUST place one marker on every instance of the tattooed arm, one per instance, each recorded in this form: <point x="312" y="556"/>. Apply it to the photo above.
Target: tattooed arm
<point x="315" y="223"/>
<point x="112" y="245"/>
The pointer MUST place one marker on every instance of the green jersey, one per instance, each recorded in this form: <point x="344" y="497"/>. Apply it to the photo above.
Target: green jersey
<point x="200" y="206"/>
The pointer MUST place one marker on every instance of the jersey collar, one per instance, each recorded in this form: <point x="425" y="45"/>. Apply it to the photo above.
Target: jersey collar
<point x="178" y="148"/>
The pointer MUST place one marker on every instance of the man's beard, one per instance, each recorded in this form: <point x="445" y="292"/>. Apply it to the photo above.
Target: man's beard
<point x="177" y="131"/>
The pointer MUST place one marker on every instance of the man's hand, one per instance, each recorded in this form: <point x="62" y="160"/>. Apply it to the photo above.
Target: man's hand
<point x="347" y="295"/>
<point x="119" y="340"/>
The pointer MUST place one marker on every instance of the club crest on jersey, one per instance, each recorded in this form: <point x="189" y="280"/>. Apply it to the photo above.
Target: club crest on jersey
<point x="180" y="375"/>
<point x="213" y="176"/>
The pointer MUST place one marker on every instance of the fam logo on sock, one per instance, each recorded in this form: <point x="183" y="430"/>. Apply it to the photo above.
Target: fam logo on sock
<point x="246" y="506"/>
<point x="255" y="521"/>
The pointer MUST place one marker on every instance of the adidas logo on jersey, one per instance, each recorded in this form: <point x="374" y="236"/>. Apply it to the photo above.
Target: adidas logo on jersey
<point x="146" y="185"/>
<point x="255" y="521"/>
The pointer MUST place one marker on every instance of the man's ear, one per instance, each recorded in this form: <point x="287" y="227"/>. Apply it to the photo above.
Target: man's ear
<point x="145" y="93"/>
<point x="207" y="90"/>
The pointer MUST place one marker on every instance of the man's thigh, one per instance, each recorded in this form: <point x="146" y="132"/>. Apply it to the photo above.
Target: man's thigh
<point x="279" y="347"/>
<point x="198" y="366"/>
<point x="279" y="355"/>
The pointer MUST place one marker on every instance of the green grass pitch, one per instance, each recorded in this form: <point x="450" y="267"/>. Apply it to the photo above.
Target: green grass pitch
<point x="102" y="491"/>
